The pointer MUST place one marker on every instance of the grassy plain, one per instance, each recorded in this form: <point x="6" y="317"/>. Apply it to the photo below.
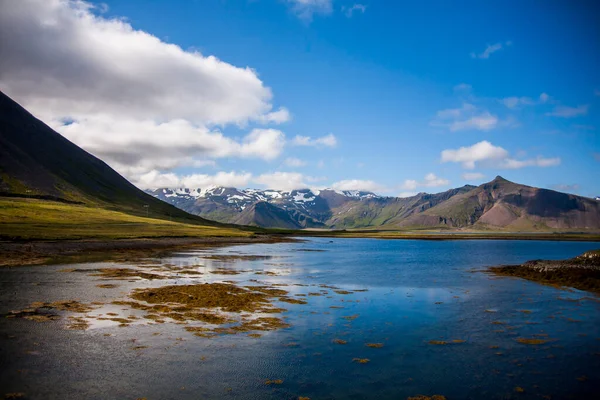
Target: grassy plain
<point x="33" y="219"/>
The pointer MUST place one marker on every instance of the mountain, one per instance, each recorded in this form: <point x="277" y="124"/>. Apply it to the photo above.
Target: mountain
<point x="37" y="162"/>
<point x="511" y="206"/>
<point x="496" y="205"/>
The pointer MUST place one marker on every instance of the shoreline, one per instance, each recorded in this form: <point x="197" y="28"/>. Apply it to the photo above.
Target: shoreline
<point x="581" y="272"/>
<point x="45" y="252"/>
<point x="575" y="237"/>
<point x="29" y="253"/>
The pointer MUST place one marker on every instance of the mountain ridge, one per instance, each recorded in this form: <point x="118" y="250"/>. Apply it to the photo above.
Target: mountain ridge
<point x="496" y="205"/>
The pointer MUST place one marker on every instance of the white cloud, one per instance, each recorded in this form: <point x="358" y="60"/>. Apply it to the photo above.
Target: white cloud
<point x="431" y="180"/>
<point x="493" y="156"/>
<point x="358" y="184"/>
<point x="277" y="117"/>
<point x="569" y="112"/>
<point x="155" y="179"/>
<point x="327" y="140"/>
<point x="491" y="49"/>
<point x="407" y="194"/>
<point x="137" y="146"/>
<point x="483" y="122"/>
<point x="282" y="180"/>
<point x="515" y="102"/>
<point x="468" y="156"/>
<point x="135" y="101"/>
<point x="472" y="176"/>
<point x="467" y="117"/>
<point x="294" y="162"/>
<point x="511" y="163"/>
<point x="305" y="9"/>
<point x="356" y="7"/>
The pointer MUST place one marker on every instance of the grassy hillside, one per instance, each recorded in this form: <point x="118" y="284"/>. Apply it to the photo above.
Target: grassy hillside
<point x="34" y="219"/>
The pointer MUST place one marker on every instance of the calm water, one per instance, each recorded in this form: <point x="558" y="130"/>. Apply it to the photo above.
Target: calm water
<point x="418" y="291"/>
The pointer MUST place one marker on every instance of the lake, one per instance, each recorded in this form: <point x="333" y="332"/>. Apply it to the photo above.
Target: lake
<point x="436" y="322"/>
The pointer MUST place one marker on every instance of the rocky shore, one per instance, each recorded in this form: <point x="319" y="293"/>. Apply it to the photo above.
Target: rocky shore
<point x="581" y="272"/>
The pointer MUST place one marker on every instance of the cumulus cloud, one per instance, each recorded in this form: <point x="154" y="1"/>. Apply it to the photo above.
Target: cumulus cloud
<point x="467" y="117"/>
<point x="472" y="176"/>
<point x="305" y="9"/>
<point x="324" y="141"/>
<point x="358" y="184"/>
<point x="431" y="180"/>
<point x="493" y="156"/>
<point x="468" y="156"/>
<point x="155" y="179"/>
<point x="137" y="102"/>
<point x="569" y="112"/>
<point x="349" y="11"/>
<point x="283" y="180"/>
<point x="490" y="49"/>
<point x="277" y="117"/>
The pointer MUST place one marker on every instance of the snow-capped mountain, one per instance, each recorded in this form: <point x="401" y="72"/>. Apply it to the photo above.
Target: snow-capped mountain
<point x="499" y="204"/>
<point x="286" y="209"/>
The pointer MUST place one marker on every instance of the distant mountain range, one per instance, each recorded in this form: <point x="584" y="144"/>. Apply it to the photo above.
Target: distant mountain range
<point x="496" y="205"/>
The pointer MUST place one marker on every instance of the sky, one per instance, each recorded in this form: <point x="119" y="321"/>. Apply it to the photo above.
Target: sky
<point x="385" y="96"/>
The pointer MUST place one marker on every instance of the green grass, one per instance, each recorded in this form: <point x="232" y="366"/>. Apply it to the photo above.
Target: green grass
<point x="32" y="219"/>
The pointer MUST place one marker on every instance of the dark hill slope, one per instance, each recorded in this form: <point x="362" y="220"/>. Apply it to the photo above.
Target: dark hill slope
<point x="36" y="161"/>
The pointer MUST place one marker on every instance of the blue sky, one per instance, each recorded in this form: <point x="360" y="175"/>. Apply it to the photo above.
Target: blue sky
<point x="383" y="94"/>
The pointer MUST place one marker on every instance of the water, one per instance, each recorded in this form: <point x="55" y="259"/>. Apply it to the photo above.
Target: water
<point x="418" y="291"/>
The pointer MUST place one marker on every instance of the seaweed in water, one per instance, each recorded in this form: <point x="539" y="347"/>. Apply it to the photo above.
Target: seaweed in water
<point x="274" y="382"/>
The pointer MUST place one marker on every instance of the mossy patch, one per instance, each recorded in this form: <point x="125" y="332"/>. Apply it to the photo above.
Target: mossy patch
<point x="126" y="273"/>
<point x="438" y="342"/>
<point x="274" y="382"/>
<point x="107" y="286"/>
<point x="374" y="345"/>
<point x="224" y="271"/>
<point x="216" y="304"/>
<point x="533" y="341"/>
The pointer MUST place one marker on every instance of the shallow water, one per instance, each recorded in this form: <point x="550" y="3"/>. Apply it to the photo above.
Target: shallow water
<point x="418" y="291"/>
